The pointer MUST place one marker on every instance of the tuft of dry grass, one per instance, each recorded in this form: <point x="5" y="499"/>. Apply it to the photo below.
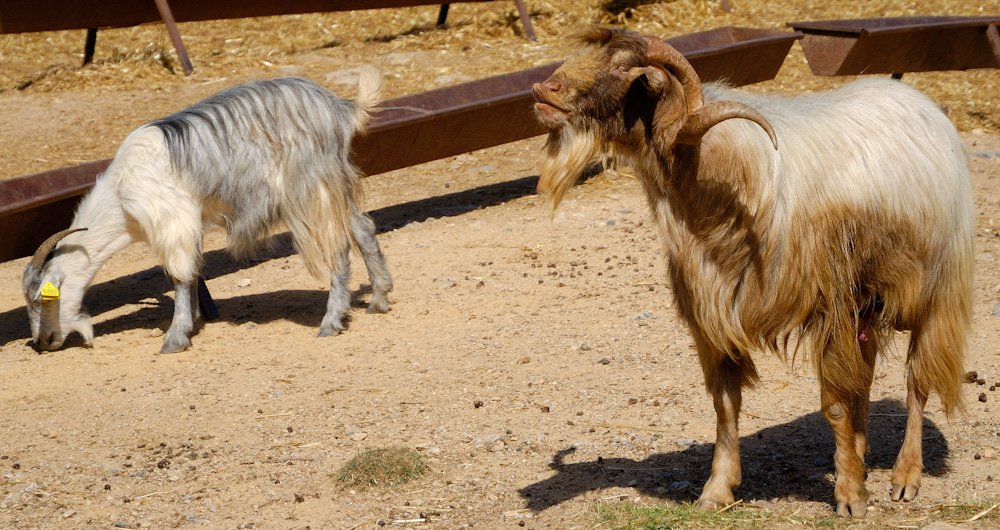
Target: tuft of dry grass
<point x="383" y="467"/>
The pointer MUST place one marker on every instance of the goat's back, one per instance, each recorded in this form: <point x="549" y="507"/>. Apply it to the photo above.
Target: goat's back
<point x="874" y="143"/>
<point x="269" y="152"/>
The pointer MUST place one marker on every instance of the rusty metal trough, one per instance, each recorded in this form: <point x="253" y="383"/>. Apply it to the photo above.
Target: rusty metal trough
<point x="740" y="56"/>
<point x="21" y="16"/>
<point x="409" y="130"/>
<point x="898" y="45"/>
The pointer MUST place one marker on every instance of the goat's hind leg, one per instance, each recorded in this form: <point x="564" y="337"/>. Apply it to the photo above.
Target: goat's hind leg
<point x="910" y="461"/>
<point x="363" y="232"/>
<point x="339" y="301"/>
<point x="862" y="402"/>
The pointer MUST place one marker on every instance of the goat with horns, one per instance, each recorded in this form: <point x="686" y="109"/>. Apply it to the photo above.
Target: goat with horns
<point x="250" y="158"/>
<point x="835" y="218"/>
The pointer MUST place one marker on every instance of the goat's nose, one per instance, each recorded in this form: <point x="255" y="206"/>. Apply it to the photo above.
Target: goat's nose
<point x="553" y="84"/>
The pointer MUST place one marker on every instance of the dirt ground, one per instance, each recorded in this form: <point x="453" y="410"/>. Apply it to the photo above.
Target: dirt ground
<point x="536" y="361"/>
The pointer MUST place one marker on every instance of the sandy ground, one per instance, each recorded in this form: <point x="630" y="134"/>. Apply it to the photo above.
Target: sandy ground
<point x="536" y="362"/>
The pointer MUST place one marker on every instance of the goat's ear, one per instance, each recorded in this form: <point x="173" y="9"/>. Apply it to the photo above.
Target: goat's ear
<point x="653" y="78"/>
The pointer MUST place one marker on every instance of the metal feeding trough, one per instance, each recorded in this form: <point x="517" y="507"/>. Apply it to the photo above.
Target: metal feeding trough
<point x="409" y="130"/>
<point x="898" y="45"/>
<point x="21" y="16"/>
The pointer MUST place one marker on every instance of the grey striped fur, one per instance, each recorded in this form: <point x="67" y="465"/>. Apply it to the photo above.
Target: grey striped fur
<point x="251" y="158"/>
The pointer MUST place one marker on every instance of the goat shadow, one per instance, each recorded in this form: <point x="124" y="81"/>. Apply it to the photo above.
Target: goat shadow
<point x="790" y="460"/>
<point x="304" y="307"/>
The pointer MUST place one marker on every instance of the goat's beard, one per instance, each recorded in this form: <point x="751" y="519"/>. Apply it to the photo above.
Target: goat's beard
<point x="568" y="151"/>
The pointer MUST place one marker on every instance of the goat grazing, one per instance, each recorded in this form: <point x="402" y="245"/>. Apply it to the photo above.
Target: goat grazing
<point x="249" y="158"/>
<point x="835" y="218"/>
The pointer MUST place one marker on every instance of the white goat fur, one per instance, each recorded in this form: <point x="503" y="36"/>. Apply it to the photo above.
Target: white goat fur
<point x="250" y="158"/>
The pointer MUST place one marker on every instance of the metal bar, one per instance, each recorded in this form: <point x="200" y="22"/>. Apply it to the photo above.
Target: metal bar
<point x="22" y="16"/>
<point x="994" y="37"/>
<point x="443" y="14"/>
<point x="168" y="18"/>
<point x="406" y="131"/>
<point x="526" y="20"/>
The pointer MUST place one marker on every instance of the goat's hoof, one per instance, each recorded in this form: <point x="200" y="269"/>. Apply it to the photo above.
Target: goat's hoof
<point x="708" y="505"/>
<point x="904" y="492"/>
<point x="175" y="347"/>
<point x="377" y="309"/>
<point x="854" y="509"/>
<point x="328" y="333"/>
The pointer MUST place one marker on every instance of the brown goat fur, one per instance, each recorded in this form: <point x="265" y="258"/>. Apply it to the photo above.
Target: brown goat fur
<point x="825" y="221"/>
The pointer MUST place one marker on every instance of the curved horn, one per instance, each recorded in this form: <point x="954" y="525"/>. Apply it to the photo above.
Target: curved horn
<point x="43" y="250"/>
<point x="699" y="122"/>
<point x="660" y="53"/>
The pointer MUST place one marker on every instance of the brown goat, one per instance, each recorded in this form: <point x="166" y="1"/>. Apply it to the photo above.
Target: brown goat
<point x="835" y="218"/>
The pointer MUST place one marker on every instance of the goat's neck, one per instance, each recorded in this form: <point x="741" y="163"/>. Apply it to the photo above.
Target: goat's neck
<point x="701" y="207"/>
<point x="85" y="252"/>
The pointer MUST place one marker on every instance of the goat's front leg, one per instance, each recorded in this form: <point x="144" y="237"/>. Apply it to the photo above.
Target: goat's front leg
<point x="178" y="337"/>
<point x="725" y="381"/>
<point x="849" y="490"/>
<point x="340" y="296"/>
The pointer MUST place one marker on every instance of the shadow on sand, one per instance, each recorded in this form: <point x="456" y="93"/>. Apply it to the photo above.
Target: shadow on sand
<point x="791" y="460"/>
<point x="305" y="307"/>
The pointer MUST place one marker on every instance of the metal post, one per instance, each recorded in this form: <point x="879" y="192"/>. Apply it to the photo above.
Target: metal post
<point x="526" y="20"/>
<point x="168" y="19"/>
<point x="89" y="45"/>
<point x="993" y="36"/>
<point x="205" y="302"/>
<point x="443" y="14"/>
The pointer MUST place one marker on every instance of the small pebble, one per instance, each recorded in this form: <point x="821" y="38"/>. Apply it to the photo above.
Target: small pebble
<point x="982" y="397"/>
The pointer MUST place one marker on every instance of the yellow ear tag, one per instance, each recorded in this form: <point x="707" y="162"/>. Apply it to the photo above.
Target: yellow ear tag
<point x="50" y="292"/>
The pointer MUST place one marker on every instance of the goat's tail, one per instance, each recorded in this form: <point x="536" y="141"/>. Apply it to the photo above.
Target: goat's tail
<point x="369" y="93"/>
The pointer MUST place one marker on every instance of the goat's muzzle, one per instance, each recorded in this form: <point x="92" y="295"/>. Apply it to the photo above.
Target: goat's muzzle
<point x="547" y="107"/>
